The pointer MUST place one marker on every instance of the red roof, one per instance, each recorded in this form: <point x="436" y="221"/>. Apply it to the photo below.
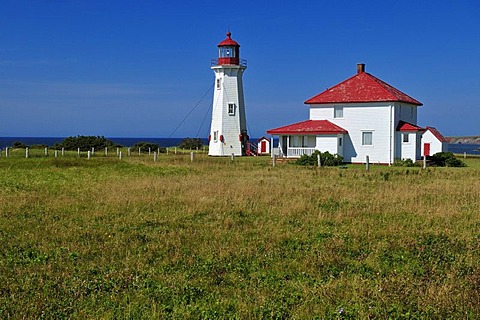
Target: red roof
<point x="309" y="127"/>
<point x="228" y="41"/>
<point x="437" y="134"/>
<point x="408" y="127"/>
<point x="362" y="87"/>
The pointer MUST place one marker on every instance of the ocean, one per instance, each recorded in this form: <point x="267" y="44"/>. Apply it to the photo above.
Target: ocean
<point x="472" y="149"/>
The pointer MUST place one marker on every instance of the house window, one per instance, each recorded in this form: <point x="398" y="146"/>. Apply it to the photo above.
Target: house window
<point x="367" y="138"/>
<point x="215" y="136"/>
<point x="338" y="112"/>
<point x="340" y="141"/>
<point x="405" y="137"/>
<point x="231" y="109"/>
<point x="219" y="80"/>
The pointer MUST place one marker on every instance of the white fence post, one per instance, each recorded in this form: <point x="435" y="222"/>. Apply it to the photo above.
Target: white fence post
<point x="78" y="151"/>
<point x="118" y="151"/>
<point x="6" y="152"/>
<point x="89" y="154"/>
<point x="319" y="160"/>
<point x="129" y="152"/>
<point x="46" y="151"/>
<point x="63" y="152"/>
<point x="154" y="157"/>
<point x="120" y="155"/>
<point x="192" y="156"/>
<point x="26" y="153"/>
<point x="367" y="165"/>
<point x="233" y="156"/>
<point x="424" y="162"/>
<point x="93" y="151"/>
<point x="106" y="151"/>
<point x="149" y="151"/>
<point x="56" y="153"/>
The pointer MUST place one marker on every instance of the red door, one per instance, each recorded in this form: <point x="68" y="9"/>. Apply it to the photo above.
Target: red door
<point x="426" y="149"/>
<point x="263" y="146"/>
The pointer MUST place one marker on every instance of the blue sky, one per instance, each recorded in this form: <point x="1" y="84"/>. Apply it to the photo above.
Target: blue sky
<point x="137" y="68"/>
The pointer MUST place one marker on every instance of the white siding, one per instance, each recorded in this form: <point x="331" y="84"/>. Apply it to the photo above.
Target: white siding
<point x="228" y="126"/>
<point x="435" y="144"/>
<point x="327" y="143"/>
<point x="358" y="118"/>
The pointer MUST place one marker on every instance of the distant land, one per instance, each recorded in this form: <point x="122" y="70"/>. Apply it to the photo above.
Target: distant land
<point x="464" y="140"/>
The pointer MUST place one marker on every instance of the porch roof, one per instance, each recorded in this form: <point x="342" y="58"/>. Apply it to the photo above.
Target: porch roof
<point x="408" y="127"/>
<point x="308" y="127"/>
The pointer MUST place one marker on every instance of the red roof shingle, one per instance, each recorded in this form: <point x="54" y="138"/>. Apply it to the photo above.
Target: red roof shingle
<point x="437" y="134"/>
<point x="408" y="127"/>
<point x="362" y="87"/>
<point x="309" y="127"/>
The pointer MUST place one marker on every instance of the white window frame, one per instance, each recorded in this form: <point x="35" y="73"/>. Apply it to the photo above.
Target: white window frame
<point x="231" y="109"/>
<point x="364" y="138"/>
<point x="338" y="112"/>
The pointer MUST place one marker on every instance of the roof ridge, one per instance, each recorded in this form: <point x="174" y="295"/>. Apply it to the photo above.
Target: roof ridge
<point x="338" y="84"/>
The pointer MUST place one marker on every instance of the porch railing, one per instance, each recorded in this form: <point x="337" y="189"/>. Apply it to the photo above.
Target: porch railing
<point x="298" y="152"/>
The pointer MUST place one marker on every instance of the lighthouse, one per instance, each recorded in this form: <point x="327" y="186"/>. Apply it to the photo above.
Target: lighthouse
<point x="228" y="130"/>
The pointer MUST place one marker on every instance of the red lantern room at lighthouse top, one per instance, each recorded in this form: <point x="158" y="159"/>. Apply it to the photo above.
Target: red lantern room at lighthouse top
<point x="229" y="52"/>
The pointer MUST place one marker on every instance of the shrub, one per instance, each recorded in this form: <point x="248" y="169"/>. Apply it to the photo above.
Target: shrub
<point x="144" y="146"/>
<point x="191" y="143"/>
<point x="85" y="143"/>
<point x="19" y="145"/>
<point x="405" y="163"/>
<point x="445" y="159"/>
<point x="326" y="159"/>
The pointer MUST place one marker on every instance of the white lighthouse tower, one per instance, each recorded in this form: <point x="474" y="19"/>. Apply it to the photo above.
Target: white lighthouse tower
<point x="228" y="131"/>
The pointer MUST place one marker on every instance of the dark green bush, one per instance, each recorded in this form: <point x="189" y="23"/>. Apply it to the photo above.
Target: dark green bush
<point x="405" y="163"/>
<point x="445" y="159"/>
<point x="85" y="143"/>
<point x="326" y="158"/>
<point x="19" y="145"/>
<point x="144" y="146"/>
<point x="191" y="143"/>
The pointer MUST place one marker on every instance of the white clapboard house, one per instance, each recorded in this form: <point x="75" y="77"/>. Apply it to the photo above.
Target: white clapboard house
<point x="359" y="117"/>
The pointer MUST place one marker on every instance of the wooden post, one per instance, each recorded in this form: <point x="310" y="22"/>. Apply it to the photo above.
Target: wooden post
<point x="63" y="152"/>
<point x="56" y="153"/>
<point x="319" y="160"/>
<point x="464" y="155"/>
<point x="89" y="154"/>
<point x="149" y="151"/>
<point x="106" y="151"/>
<point x="154" y="157"/>
<point x="175" y="150"/>
<point x="120" y="154"/>
<point x="424" y="162"/>
<point x="118" y="151"/>
<point x="167" y="151"/>
<point x="139" y="151"/>
<point x="158" y="151"/>
<point x="233" y="156"/>
<point x="93" y="151"/>
<point x="46" y="151"/>
<point x="6" y="152"/>
<point x="367" y="165"/>
<point x="129" y="152"/>
<point x="78" y="151"/>
<point x="274" y="159"/>
<point x="26" y="153"/>
<point x="192" y="156"/>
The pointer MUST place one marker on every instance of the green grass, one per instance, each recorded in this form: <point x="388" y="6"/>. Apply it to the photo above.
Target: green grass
<point x="104" y="238"/>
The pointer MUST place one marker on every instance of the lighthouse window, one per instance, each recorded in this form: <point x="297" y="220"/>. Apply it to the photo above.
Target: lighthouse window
<point x="215" y="136"/>
<point x="231" y="109"/>
<point x="219" y="83"/>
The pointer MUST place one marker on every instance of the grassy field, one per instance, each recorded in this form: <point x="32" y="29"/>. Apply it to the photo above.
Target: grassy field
<point x="130" y="238"/>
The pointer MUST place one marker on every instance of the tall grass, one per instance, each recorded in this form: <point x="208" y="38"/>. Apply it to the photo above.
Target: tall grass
<point x="104" y="238"/>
